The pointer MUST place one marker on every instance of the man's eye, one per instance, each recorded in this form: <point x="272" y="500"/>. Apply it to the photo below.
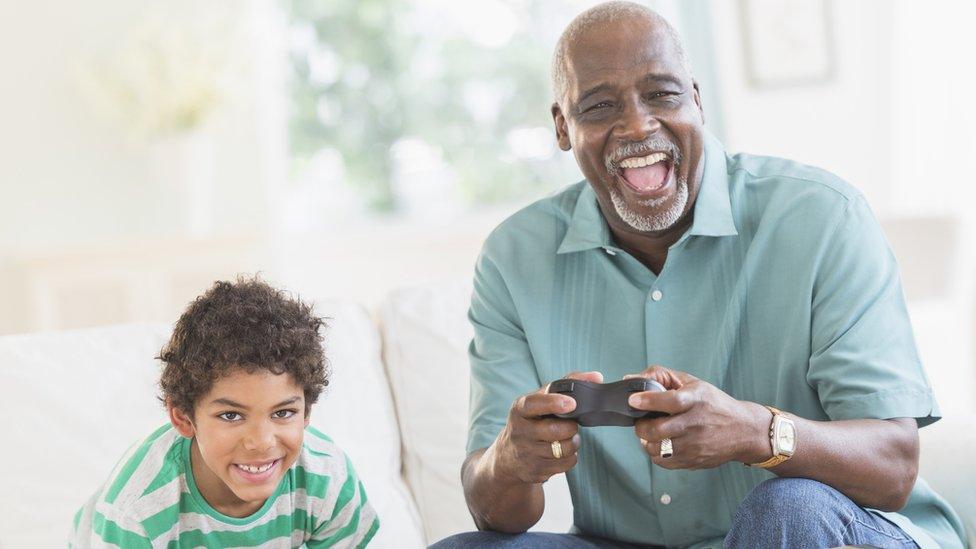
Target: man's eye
<point x="283" y="414"/>
<point x="230" y="416"/>
<point x="599" y="106"/>
<point x="664" y="94"/>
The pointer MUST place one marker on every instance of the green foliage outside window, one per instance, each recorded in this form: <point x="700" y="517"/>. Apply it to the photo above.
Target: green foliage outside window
<point x="369" y="73"/>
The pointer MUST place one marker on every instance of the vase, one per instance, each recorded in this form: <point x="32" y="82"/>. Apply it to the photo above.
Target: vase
<point x="184" y="166"/>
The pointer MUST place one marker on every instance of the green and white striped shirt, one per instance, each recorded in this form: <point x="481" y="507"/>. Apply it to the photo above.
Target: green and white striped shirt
<point x="151" y="500"/>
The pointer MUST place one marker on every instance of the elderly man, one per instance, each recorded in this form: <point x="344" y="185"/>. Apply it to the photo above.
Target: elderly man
<point x="758" y="291"/>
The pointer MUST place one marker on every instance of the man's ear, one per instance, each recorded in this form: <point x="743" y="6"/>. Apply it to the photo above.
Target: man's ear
<point x="308" y="416"/>
<point x="698" y="102"/>
<point x="562" y="132"/>
<point x="182" y="422"/>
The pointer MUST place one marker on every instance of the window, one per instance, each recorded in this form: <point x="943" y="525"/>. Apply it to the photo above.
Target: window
<point x="427" y="102"/>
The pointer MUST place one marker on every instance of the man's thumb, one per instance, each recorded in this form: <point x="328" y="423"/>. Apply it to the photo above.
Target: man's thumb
<point x="594" y="377"/>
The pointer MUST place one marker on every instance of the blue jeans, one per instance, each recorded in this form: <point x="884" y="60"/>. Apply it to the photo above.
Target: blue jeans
<point x="780" y="512"/>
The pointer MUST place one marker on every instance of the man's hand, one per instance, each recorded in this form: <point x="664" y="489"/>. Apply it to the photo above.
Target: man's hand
<point x="503" y="482"/>
<point x="523" y="452"/>
<point x="707" y="427"/>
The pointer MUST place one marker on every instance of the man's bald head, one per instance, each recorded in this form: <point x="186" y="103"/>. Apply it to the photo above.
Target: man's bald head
<point x="600" y="15"/>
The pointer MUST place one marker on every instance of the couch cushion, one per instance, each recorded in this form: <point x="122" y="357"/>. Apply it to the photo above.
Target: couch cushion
<point x="74" y="401"/>
<point x="425" y="340"/>
<point x="357" y="411"/>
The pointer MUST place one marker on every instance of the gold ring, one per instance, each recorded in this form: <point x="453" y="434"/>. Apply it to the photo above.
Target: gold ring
<point x="667" y="450"/>
<point x="557" y="450"/>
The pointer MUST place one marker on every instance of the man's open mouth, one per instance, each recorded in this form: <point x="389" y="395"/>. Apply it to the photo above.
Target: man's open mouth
<point x="646" y="174"/>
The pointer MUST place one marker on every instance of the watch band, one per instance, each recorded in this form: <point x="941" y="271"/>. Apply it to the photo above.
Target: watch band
<point x="777" y="458"/>
<point x="771" y="462"/>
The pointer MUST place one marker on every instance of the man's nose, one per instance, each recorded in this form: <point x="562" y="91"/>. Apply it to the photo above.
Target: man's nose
<point x="260" y="437"/>
<point x="637" y="122"/>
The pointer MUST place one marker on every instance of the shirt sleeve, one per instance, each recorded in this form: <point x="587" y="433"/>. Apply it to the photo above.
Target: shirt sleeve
<point x="502" y="368"/>
<point x="352" y="522"/>
<point x="863" y="362"/>
<point x="95" y="530"/>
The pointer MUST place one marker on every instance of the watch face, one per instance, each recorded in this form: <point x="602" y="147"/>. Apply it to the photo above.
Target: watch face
<point x="785" y="437"/>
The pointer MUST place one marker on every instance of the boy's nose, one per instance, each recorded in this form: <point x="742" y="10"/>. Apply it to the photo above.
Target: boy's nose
<point x="259" y="438"/>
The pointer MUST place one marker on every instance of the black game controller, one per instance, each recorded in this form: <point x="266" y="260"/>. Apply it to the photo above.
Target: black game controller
<point x="605" y="404"/>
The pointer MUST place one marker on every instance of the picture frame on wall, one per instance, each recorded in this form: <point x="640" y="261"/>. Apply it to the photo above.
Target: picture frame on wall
<point x="788" y="42"/>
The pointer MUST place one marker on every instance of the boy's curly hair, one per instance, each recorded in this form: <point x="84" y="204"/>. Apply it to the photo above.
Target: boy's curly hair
<point x="245" y="324"/>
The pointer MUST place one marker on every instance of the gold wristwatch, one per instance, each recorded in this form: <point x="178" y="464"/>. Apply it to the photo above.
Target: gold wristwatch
<point x="782" y="437"/>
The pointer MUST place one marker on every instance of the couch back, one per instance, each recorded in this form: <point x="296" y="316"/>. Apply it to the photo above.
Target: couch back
<point x="72" y="402"/>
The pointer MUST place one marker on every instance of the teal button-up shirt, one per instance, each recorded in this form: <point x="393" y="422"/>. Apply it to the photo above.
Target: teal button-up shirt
<point x="782" y="292"/>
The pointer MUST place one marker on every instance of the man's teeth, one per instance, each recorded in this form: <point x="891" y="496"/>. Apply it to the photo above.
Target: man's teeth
<point x="253" y="469"/>
<point x="642" y="161"/>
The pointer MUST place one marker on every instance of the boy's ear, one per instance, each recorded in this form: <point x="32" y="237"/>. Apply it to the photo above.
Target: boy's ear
<point x="308" y="416"/>
<point x="182" y="422"/>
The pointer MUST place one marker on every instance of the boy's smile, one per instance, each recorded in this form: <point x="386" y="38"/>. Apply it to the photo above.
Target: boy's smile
<point x="247" y="432"/>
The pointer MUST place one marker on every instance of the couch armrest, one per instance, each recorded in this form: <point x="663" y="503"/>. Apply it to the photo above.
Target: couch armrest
<point x="947" y="464"/>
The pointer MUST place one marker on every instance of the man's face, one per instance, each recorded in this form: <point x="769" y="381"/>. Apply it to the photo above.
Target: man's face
<point x="633" y="117"/>
<point x="248" y="432"/>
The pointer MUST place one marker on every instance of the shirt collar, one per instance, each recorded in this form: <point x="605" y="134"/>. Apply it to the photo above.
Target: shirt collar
<point x="713" y="209"/>
<point x="587" y="228"/>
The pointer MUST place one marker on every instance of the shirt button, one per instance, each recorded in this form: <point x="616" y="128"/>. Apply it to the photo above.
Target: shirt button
<point x="656" y="295"/>
<point x="666" y="499"/>
<point x="609" y="251"/>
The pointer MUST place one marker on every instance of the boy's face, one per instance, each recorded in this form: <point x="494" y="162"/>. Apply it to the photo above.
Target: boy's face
<point x="247" y="431"/>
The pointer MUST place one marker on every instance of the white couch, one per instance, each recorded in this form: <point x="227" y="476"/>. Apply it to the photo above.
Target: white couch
<point x="71" y="402"/>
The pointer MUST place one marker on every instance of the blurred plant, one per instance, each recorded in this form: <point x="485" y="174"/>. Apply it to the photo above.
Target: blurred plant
<point x="168" y="75"/>
<point x="469" y="79"/>
<point x="348" y="58"/>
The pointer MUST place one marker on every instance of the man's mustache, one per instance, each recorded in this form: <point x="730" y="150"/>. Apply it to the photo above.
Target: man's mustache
<point x="641" y="148"/>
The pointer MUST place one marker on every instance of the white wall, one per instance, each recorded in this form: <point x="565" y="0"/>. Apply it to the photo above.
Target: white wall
<point x="69" y="177"/>
<point x="842" y="125"/>
<point x="933" y="114"/>
<point x="896" y="118"/>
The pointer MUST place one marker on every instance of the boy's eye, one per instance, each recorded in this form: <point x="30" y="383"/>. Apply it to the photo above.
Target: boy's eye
<point x="230" y="416"/>
<point x="283" y="414"/>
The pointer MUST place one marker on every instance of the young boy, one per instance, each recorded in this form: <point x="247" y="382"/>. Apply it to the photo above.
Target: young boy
<point x="238" y="466"/>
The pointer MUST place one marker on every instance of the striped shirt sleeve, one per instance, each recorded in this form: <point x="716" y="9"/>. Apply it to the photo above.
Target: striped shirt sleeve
<point x="93" y="529"/>
<point x="107" y="519"/>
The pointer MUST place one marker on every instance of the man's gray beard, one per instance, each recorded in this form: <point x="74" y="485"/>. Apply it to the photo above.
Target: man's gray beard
<point x="657" y="222"/>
